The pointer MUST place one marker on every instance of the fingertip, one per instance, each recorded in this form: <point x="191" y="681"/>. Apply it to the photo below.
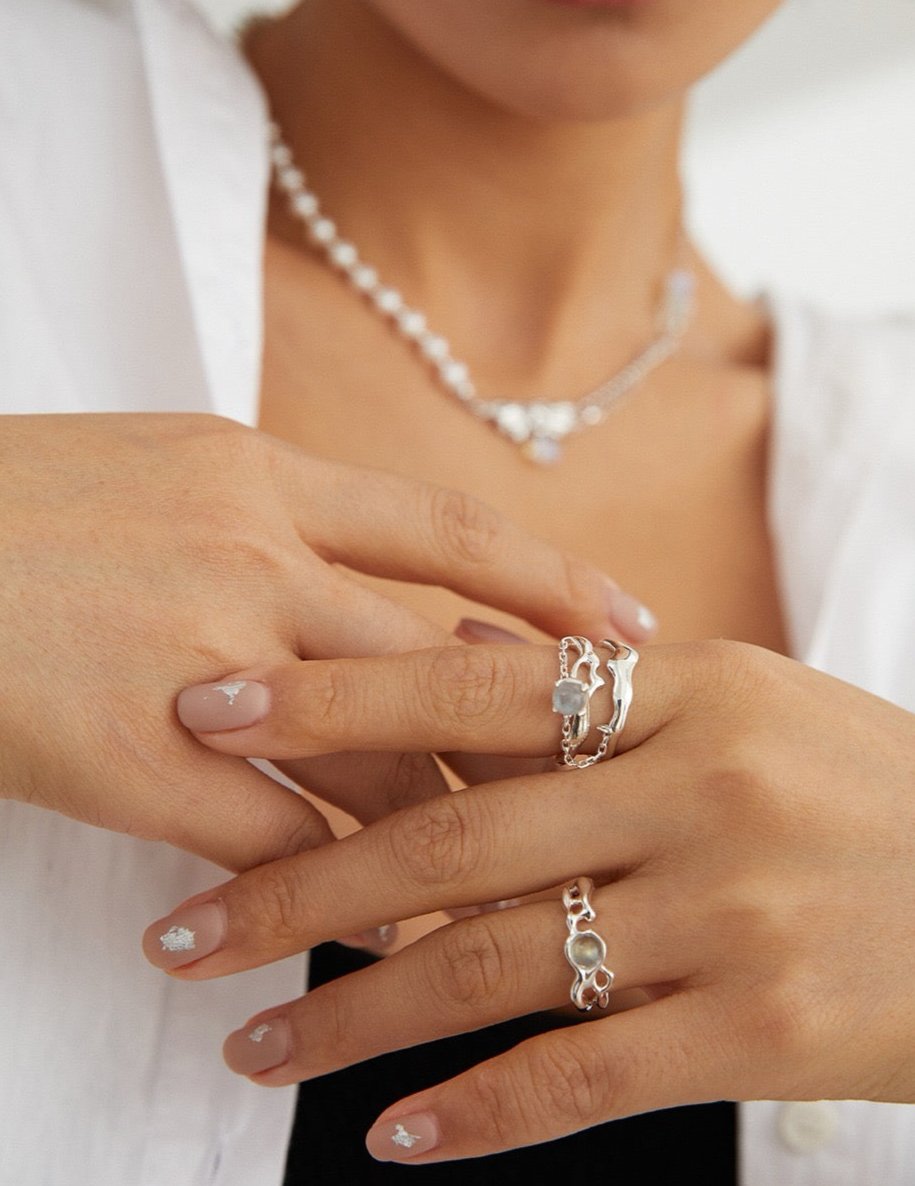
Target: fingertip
<point x="378" y="939"/>
<point x="628" y="615"/>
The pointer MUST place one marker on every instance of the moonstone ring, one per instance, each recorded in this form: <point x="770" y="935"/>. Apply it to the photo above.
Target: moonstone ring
<point x="572" y="696"/>
<point x="585" y="949"/>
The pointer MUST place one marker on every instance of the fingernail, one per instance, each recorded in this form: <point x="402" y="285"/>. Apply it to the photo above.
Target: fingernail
<point x="377" y="937"/>
<point x="186" y="935"/>
<point x="635" y="620"/>
<point x="459" y="912"/>
<point x="502" y="904"/>
<point x="230" y="704"/>
<point x="471" y="630"/>
<point x="401" y="1139"/>
<point x="258" y="1047"/>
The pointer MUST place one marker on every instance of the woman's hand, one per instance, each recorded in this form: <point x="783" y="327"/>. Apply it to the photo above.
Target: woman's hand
<point x="140" y="553"/>
<point x="753" y="842"/>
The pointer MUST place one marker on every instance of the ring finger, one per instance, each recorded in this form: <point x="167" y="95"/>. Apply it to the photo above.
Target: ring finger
<point x="472" y="973"/>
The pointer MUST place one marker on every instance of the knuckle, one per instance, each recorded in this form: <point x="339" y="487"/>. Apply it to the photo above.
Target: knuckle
<point x="569" y="1080"/>
<point x="466" y="969"/>
<point x="746" y="794"/>
<point x="499" y="1103"/>
<point x="466" y="529"/>
<point x="309" y="832"/>
<point x="216" y="445"/>
<point x="277" y="913"/>
<point x="434" y="844"/>
<point x="467" y="684"/>
<point x="232" y="545"/>
<point x="782" y="1021"/>
<point x="336" y="1040"/>
<point x="327" y="704"/>
<point x="735" y="673"/>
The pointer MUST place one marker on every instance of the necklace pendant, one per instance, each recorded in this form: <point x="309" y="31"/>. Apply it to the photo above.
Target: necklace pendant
<point x="542" y="450"/>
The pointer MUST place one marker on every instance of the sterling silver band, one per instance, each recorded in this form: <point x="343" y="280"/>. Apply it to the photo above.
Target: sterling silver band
<point x="584" y="949"/>
<point x="621" y="663"/>
<point x="572" y="697"/>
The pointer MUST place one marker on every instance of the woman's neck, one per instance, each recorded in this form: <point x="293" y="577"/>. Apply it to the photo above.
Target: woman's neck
<point x="527" y="243"/>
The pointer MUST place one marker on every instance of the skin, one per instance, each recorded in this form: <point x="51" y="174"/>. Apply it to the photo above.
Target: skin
<point x="550" y="196"/>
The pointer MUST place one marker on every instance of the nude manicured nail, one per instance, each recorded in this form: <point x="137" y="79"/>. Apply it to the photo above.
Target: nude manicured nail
<point x="403" y="1138"/>
<point x="377" y="938"/>
<point x="635" y="620"/>
<point x="258" y="1047"/>
<point x="472" y="630"/>
<point x="458" y="912"/>
<point x="187" y="935"/>
<point x="230" y="704"/>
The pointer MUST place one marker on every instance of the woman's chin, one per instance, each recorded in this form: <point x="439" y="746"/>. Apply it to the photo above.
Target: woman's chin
<point x="557" y="97"/>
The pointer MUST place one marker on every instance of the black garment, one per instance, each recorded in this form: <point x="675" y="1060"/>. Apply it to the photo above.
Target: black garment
<point x="334" y="1113"/>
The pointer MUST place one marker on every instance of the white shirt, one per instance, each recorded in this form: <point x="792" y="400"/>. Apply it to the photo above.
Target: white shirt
<point x="132" y="192"/>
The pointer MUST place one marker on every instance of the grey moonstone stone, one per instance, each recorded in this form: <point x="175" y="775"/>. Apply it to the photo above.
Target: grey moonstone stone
<point x="570" y="697"/>
<point x="587" y="951"/>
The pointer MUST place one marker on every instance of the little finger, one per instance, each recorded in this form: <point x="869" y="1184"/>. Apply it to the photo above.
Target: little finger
<point x="671" y="1052"/>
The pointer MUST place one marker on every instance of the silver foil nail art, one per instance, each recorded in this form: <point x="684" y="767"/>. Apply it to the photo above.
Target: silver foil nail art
<point x="178" y="939"/>
<point x="230" y="691"/>
<point x="402" y="1137"/>
<point x="257" y="1034"/>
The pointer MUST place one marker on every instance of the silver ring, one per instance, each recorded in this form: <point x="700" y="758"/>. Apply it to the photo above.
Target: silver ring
<point x="621" y="663"/>
<point x="572" y="697"/>
<point x="585" y="950"/>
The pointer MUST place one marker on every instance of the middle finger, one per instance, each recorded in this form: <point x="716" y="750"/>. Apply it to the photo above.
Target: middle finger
<point x="446" y="852"/>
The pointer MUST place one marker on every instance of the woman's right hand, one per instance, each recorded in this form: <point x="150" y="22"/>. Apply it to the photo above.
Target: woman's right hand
<point x="142" y="553"/>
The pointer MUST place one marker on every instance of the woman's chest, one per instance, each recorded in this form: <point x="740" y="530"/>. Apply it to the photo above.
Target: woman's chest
<point x="667" y="495"/>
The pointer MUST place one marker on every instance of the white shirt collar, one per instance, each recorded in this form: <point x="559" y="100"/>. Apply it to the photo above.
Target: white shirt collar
<point x="211" y="129"/>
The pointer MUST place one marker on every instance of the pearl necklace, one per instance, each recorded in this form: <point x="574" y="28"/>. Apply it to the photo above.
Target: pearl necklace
<point x="538" y="428"/>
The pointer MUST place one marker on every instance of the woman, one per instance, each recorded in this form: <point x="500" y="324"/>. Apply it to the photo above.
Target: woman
<point x="544" y="202"/>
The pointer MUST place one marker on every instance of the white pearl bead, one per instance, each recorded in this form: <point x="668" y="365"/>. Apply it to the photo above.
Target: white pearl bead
<point x="290" y="178"/>
<point x="388" y="300"/>
<point x="343" y="255"/>
<point x="411" y="323"/>
<point x="464" y="390"/>
<point x="322" y="230"/>
<point x="454" y="373"/>
<point x="434" y="347"/>
<point x="281" y="156"/>
<point x="305" y="204"/>
<point x="364" y="278"/>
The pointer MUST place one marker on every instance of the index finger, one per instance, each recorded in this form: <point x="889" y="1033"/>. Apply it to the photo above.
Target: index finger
<point x="435" y="536"/>
<point x="474" y="700"/>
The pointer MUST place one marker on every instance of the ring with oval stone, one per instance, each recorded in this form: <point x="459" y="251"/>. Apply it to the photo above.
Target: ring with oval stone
<point x="572" y="696"/>
<point x="585" y="949"/>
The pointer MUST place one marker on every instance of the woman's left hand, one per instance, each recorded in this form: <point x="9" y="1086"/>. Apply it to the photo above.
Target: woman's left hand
<point x="753" y="845"/>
